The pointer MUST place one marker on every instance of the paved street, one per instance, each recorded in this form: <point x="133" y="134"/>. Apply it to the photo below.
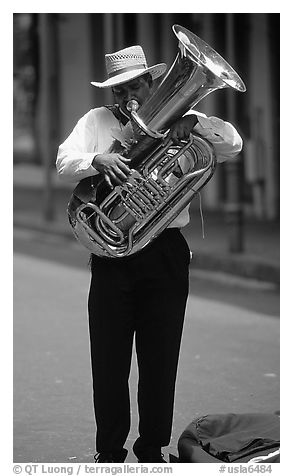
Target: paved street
<point x="229" y="360"/>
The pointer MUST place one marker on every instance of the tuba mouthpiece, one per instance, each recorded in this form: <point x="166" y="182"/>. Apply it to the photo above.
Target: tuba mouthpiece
<point x="132" y="106"/>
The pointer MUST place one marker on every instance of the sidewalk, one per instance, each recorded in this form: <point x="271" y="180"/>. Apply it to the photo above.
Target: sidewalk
<point x="259" y="259"/>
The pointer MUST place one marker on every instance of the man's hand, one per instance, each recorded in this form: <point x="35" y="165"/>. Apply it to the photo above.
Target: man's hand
<point x="181" y="129"/>
<point x="113" y="166"/>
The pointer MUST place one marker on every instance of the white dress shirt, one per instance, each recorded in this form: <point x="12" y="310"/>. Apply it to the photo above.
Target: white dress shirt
<point x="92" y="135"/>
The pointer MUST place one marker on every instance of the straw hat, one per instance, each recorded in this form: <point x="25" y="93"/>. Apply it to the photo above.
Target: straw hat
<point x="127" y="64"/>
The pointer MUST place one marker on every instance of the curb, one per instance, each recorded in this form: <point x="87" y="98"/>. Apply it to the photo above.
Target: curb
<point x="237" y="265"/>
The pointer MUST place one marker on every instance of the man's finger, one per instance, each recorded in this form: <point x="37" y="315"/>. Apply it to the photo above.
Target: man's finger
<point x="120" y="173"/>
<point x="123" y="167"/>
<point x="108" y="181"/>
<point x="174" y="137"/>
<point x="124" y="159"/>
<point x="115" y="179"/>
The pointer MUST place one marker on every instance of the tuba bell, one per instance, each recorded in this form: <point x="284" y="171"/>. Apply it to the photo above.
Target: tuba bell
<point x="164" y="177"/>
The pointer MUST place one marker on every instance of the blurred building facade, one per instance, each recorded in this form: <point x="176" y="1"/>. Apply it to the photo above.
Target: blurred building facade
<point x="57" y="55"/>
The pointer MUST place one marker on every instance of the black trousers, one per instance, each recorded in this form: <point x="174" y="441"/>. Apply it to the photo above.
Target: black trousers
<point x="143" y="296"/>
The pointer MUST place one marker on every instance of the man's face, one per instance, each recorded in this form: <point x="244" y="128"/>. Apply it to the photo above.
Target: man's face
<point x="138" y="89"/>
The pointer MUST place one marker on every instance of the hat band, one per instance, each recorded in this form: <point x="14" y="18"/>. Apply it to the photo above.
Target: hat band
<point x="125" y="70"/>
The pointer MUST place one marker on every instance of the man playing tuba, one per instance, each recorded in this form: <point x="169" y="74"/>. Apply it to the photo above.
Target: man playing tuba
<point x="141" y="297"/>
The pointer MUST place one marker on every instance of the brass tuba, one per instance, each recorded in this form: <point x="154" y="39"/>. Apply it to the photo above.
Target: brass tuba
<point x="164" y="177"/>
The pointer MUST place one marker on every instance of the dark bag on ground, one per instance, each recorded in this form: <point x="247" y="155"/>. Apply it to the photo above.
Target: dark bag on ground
<point x="231" y="438"/>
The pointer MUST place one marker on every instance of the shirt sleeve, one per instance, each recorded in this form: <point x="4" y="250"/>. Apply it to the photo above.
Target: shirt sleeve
<point x="224" y="137"/>
<point x="75" y="155"/>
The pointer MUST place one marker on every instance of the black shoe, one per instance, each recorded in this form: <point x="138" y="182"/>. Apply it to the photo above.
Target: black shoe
<point x="150" y="455"/>
<point x="111" y="457"/>
<point x="152" y="458"/>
